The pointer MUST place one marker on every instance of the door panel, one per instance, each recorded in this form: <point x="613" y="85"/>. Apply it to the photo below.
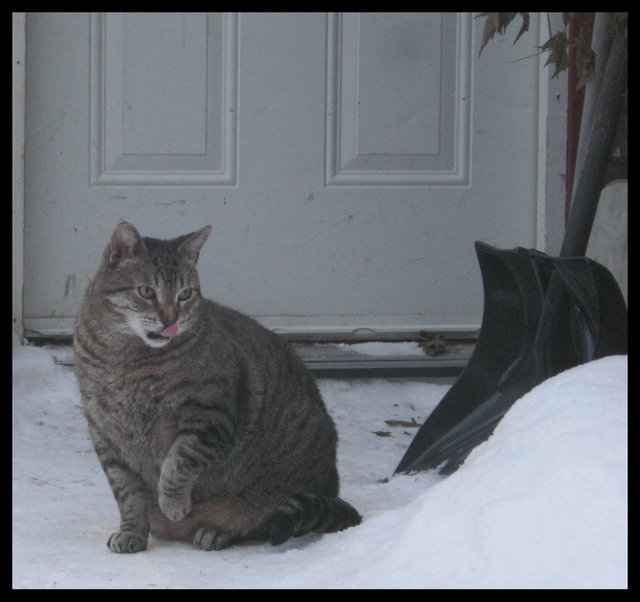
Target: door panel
<point x="399" y="98"/>
<point x="346" y="162"/>
<point x="163" y="99"/>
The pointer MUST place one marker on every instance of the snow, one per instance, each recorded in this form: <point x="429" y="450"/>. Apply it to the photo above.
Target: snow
<point x="381" y="349"/>
<point x="541" y="504"/>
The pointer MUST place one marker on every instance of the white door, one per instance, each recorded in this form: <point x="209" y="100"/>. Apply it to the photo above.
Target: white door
<point x="347" y="162"/>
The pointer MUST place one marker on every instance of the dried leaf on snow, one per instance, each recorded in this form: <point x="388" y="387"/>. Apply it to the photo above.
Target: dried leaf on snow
<point x="404" y="423"/>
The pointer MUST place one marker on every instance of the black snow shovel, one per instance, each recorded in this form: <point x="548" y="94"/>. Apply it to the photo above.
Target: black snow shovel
<point x="542" y="314"/>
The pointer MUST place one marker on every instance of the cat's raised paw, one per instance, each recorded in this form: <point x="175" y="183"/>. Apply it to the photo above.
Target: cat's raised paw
<point x="209" y="538"/>
<point x="127" y="542"/>
<point x="174" y="509"/>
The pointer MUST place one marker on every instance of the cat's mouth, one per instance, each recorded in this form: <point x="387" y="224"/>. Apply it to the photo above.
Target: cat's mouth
<point x="165" y="334"/>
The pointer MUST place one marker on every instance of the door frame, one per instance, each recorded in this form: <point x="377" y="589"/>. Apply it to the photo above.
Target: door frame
<point x="17" y="166"/>
<point x="552" y="141"/>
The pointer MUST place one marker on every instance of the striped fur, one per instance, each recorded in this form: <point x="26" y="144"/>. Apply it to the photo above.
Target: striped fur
<point x="208" y="427"/>
<point x="307" y="513"/>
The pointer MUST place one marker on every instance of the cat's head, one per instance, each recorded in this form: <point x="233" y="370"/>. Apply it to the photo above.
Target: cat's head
<point x="152" y="285"/>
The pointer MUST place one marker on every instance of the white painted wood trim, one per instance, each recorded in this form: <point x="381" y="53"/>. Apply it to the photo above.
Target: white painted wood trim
<point x="17" y="175"/>
<point x="543" y="137"/>
<point x="551" y="215"/>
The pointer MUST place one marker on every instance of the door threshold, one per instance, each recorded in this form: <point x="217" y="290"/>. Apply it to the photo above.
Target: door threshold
<point x="372" y="359"/>
<point x="384" y="359"/>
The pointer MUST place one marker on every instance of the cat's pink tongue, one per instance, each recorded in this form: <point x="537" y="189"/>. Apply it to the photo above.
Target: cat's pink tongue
<point x="169" y="331"/>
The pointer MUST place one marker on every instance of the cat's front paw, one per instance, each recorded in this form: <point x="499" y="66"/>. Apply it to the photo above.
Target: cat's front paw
<point x="174" y="508"/>
<point x="127" y="542"/>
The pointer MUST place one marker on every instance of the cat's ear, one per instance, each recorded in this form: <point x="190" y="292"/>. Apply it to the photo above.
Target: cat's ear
<point x="190" y="244"/>
<point x="125" y="242"/>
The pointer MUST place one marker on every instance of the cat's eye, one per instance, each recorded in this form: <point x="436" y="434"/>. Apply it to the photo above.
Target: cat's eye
<point x="185" y="294"/>
<point x="146" y="292"/>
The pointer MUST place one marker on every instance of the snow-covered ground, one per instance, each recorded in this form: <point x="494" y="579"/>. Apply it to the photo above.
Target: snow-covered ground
<point x="541" y="504"/>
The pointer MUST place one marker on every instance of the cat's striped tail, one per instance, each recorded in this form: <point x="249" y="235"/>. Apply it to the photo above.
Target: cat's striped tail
<point x="307" y="513"/>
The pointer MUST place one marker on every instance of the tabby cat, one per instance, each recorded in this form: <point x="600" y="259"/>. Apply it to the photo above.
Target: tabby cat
<point x="208" y="426"/>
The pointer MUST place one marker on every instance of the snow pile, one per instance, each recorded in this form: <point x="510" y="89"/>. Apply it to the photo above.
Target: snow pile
<point x="543" y="503"/>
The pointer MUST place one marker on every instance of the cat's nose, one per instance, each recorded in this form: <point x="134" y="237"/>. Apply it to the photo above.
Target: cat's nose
<point x="168" y="315"/>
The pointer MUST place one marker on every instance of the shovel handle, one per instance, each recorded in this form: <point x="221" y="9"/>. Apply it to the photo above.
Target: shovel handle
<point x="590" y="182"/>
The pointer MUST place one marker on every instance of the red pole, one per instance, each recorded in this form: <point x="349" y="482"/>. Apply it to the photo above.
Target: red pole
<point x="580" y="27"/>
